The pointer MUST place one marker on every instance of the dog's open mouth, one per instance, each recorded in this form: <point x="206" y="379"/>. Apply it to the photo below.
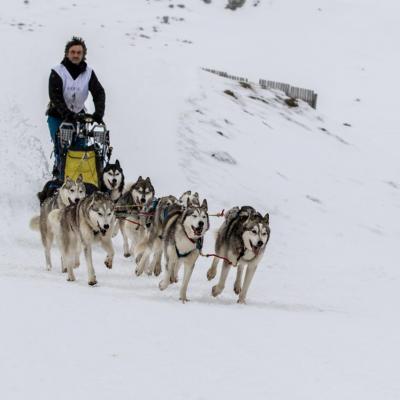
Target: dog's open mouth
<point x="197" y="231"/>
<point x="255" y="249"/>
<point x="112" y="184"/>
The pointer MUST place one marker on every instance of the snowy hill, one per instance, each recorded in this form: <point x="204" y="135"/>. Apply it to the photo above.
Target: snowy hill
<point x="320" y="322"/>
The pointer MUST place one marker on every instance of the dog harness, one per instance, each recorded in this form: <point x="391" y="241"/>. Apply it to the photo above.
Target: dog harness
<point x="198" y="242"/>
<point x="75" y="92"/>
<point x="199" y="246"/>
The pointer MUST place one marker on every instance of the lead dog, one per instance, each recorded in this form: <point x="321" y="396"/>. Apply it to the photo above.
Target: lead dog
<point x="183" y="238"/>
<point x="83" y="224"/>
<point x="241" y="239"/>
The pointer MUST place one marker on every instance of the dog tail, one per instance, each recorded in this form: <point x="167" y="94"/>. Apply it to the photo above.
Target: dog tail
<point x="34" y="223"/>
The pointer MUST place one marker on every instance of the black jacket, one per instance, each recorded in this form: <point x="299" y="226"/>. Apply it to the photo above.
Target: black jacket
<point x="57" y="106"/>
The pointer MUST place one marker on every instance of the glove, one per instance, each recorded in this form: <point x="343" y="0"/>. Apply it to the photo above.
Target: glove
<point x="70" y="117"/>
<point x="97" y="118"/>
<point x="74" y="117"/>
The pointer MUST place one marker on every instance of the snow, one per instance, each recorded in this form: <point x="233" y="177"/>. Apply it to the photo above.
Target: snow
<point x="320" y="320"/>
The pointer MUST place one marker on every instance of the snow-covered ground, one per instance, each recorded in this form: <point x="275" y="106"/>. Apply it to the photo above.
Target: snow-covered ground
<point x="321" y="320"/>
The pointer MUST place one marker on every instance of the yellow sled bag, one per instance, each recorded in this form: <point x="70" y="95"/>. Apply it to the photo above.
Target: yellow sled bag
<point x="82" y="162"/>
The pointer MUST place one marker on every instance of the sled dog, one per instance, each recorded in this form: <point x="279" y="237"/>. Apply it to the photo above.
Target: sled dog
<point x="241" y="239"/>
<point x="130" y="208"/>
<point x="193" y="199"/>
<point x="82" y="224"/>
<point x="69" y="193"/>
<point x="152" y="242"/>
<point x="182" y="239"/>
<point x="113" y="180"/>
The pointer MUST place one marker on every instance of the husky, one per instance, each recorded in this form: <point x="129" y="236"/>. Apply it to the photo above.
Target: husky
<point x="69" y="193"/>
<point x="84" y="223"/>
<point x="183" y="239"/>
<point x="130" y="206"/>
<point x="241" y="240"/>
<point x="188" y="197"/>
<point x="113" y="180"/>
<point x="152" y="242"/>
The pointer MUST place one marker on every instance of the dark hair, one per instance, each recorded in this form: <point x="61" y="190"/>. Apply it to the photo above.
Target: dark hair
<point x="76" y="41"/>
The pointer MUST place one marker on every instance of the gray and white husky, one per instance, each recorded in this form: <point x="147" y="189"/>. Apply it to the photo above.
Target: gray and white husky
<point x="189" y="198"/>
<point x="113" y="180"/>
<point x="151" y="243"/>
<point x="241" y="239"/>
<point x="130" y="207"/>
<point x="183" y="238"/>
<point x="69" y="193"/>
<point x="83" y="224"/>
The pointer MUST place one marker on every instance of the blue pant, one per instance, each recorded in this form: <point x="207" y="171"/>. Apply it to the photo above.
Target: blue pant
<point x="54" y="123"/>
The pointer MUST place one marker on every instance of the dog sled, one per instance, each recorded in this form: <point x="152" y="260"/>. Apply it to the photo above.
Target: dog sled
<point x="83" y="149"/>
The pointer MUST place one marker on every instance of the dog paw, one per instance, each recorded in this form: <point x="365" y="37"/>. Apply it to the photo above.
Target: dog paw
<point x="149" y="272"/>
<point x="92" y="282"/>
<point x="215" y="291"/>
<point x="71" y="279"/>
<point x="157" y="270"/>
<point x="184" y="299"/>
<point x="138" y="272"/>
<point x="173" y="279"/>
<point x="241" y="301"/>
<point x="211" y="274"/>
<point x="163" y="285"/>
<point x="63" y="270"/>
<point x="237" y="289"/>
<point x="108" y="262"/>
<point x="127" y="254"/>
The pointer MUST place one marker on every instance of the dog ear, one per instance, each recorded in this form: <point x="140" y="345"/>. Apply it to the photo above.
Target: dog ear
<point x="266" y="217"/>
<point x="79" y="179"/>
<point x="204" y="205"/>
<point x="117" y="163"/>
<point x="196" y="195"/>
<point x="140" y="178"/>
<point x="147" y="179"/>
<point x="68" y="180"/>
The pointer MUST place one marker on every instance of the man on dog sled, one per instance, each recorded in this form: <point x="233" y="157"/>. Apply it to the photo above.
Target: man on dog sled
<point x="69" y="86"/>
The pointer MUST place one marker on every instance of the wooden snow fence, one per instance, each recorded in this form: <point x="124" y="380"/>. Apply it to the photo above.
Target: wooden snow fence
<point x="309" y="96"/>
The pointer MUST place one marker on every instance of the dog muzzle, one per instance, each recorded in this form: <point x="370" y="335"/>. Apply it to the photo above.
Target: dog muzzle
<point x="197" y="231"/>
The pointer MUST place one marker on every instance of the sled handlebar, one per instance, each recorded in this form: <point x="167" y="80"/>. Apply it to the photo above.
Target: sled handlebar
<point x="68" y="130"/>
